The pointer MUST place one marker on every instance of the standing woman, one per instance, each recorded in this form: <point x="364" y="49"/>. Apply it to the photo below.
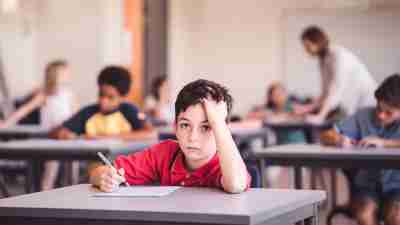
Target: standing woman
<point x="345" y="80"/>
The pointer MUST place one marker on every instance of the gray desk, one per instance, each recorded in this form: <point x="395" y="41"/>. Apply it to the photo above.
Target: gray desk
<point x="19" y="132"/>
<point x="23" y="132"/>
<point x="74" y="205"/>
<point x="310" y="130"/>
<point x="302" y="155"/>
<point x="38" y="150"/>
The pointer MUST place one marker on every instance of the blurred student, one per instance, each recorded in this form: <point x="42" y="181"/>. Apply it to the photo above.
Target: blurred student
<point x="56" y="104"/>
<point x="158" y="105"/>
<point x="279" y="108"/>
<point x="111" y="116"/>
<point x="345" y="80"/>
<point x="375" y="194"/>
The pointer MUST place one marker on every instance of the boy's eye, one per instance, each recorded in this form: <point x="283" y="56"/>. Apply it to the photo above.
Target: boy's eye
<point x="183" y="125"/>
<point x="205" y="128"/>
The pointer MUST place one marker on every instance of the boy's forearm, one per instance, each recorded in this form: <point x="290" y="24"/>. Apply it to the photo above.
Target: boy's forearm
<point x="331" y="137"/>
<point x="234" y="172"/>
<point x="62" y="133"/>
<point x="392" y="143"/>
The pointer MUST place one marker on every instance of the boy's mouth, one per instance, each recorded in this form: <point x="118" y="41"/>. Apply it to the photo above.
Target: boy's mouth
<point x="192" y="148"/>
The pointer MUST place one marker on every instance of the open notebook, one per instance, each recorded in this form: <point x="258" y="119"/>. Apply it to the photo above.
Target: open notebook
<point x="139" y="191"/>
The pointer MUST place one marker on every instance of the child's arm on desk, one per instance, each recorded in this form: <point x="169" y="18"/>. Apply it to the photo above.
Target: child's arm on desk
<point x="332" y="137"/>
<point x="62" y="133"/>
<point x="380" y="142"/>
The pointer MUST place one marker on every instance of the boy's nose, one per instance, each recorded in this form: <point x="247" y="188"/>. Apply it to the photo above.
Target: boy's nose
<point x="194" y="134"/>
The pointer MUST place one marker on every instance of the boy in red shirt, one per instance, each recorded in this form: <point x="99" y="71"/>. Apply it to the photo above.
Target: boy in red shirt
<point x="204" y="156"/>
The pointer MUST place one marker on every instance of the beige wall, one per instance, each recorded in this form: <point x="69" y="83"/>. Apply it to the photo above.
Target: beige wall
<point x="238" y="43"/>
<point x="88" y="34"/>
<point x="17" y="51"/>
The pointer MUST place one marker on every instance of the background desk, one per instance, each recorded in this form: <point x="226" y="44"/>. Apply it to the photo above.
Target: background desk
<point x="36" y="151"/>
<point x="302" y="155"/>
<point x="23" y="132"/>
<point x="310" y="130"/>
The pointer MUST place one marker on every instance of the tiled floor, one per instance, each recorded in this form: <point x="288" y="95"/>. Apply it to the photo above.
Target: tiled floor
<point x="16" y="188"/>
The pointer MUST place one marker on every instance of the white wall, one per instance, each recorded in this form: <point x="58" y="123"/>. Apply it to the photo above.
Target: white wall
<point x="238" y="43"/>
<point x="85" y="33"/>
<point x="17" y="51"/>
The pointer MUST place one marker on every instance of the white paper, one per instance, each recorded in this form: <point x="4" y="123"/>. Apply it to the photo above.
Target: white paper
<point x="139" y="191"/>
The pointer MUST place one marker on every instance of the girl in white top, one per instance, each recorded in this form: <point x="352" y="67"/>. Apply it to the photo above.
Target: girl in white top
<point x="158" y="105"/>
<point x="56" y="103"/>
<point x="345" y="80"/>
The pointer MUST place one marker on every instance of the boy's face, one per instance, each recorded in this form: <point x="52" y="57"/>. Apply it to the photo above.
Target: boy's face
<point x="279" y="96"/>
<point x="109" y="98"/>
<point x="64" y="75"/>
<point x="194" y="135"/>
<point x="387" y="114"/>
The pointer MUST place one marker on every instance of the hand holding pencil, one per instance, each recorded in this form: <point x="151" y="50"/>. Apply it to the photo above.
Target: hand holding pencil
<point x="107" y="178"/>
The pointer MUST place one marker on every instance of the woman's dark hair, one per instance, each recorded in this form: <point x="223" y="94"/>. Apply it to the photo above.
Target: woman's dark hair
<point x="192" y="94"/>
<point x="317" y="36"/>
<point x="157" y="83"/>
<point x="389" y="91"/>
<point x="115" y="76"/>
<point x="270" y="103"/>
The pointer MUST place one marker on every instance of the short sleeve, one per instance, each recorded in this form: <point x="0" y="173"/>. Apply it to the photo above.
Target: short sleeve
<point x="77" y="122"/>
<point x="350" y="127"/>
<point x="131" y="113"/>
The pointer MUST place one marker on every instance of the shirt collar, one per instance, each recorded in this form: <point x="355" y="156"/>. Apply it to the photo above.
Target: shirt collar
<point x="178" y="166"/>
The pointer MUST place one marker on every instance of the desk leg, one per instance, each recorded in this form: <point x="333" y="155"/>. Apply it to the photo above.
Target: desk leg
<point x="334" y="191"/>
<point x="313" y="177"/>
<point x="68" y="173"/>
<point x="29" y="177"/>
<point x="298" y="177"/>
<point x="309" y="134"/>
<point x="261" y="167"/>
<point x="36" y="175"/>
<point x="3" y="187"/>
<point x="314" y="220"/>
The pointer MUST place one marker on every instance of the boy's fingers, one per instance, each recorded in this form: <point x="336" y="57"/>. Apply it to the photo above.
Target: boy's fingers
<point x="121" y="171"/>
<point x="112" y="169"/>
<point x="119" y="179"/>
<point x="114" y="177"/>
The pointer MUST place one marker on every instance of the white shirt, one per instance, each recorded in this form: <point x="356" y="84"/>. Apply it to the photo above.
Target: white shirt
<point x="57" y="109"/>
<point x="346" y="81"/>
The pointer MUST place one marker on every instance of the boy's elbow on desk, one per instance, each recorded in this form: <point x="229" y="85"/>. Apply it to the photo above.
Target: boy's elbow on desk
<point x="234" y="187"/>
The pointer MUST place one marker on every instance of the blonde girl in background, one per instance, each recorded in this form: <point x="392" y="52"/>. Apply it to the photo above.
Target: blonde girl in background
<point x="56" y="103"/>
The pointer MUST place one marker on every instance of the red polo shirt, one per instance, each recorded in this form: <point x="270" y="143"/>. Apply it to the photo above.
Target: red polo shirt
<point x="164" y="163"/>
